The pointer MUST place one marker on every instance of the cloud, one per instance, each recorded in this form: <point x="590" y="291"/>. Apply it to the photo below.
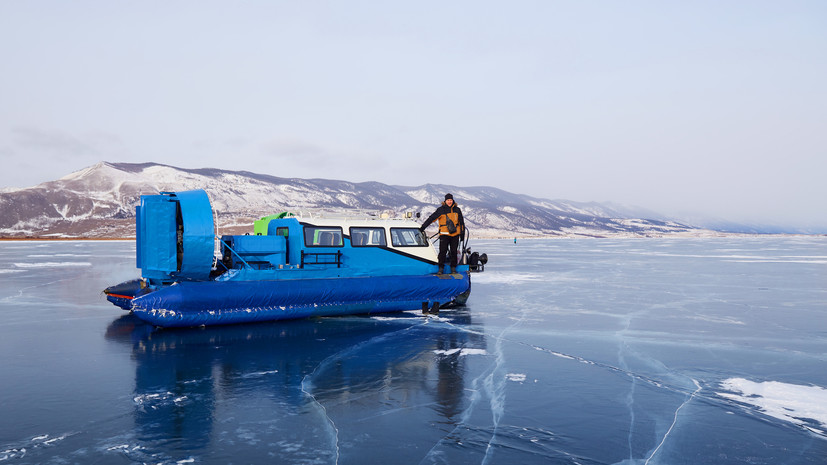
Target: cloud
<point x="321" y="160"/>
<point x="222" y="145"/>
<point x="297" y="151"/>
<point x="60" y="145"/>
<point x="41" y="154"/>
<point x="57" y="142"/>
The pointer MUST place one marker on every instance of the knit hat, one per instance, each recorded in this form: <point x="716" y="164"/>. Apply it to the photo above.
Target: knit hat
<point x="449" y="196"/>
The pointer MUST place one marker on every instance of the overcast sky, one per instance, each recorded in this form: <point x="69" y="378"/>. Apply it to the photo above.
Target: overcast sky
<point x="715" y="107"/>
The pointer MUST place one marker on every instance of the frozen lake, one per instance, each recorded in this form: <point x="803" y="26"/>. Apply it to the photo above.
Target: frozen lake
<point x="655" y="351"/>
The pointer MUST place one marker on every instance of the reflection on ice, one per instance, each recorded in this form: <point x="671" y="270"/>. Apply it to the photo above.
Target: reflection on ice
<point x="305" y="377"/>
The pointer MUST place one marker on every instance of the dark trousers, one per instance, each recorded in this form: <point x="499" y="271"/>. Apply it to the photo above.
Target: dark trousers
<point x="446" y="241"/>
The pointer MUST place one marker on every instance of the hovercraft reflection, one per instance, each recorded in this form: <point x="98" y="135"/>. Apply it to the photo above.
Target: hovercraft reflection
<point x="291" y="268"/>
<point x="192" y="385"/>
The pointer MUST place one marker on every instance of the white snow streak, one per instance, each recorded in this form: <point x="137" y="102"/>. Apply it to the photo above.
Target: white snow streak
<point x="793" y="403"/>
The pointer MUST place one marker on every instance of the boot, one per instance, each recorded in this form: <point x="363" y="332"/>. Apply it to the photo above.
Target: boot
<point x="453" y="269"/>
<point x="435" y="308"/>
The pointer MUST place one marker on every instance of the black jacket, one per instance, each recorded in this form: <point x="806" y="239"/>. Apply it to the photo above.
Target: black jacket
<point x="442" y="214"/>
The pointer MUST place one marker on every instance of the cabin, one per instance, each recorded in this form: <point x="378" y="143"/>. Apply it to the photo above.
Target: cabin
<point x="329" y="247"/>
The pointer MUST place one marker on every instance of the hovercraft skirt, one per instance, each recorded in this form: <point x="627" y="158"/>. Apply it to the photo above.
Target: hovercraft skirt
<point x="228" y="302"/>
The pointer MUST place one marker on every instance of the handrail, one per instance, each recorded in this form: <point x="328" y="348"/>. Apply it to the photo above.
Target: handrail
<point x="337" y="254"/>
<point x="235" y="253"/>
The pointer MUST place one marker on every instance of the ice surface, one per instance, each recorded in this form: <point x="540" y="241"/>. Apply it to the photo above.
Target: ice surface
<point x="569" y="351"/>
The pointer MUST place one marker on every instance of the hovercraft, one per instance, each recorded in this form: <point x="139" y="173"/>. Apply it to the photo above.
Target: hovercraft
<point x="289" y="268"/>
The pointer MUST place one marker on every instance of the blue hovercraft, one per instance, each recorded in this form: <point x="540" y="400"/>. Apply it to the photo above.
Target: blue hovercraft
<point x="290" y="268"/>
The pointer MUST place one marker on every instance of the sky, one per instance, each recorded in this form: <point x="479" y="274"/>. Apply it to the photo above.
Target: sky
<point x="706" y="108"/>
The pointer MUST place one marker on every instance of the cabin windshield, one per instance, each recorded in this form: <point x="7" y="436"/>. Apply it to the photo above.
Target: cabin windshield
<point x="323" y="236"/>
<point x="408" y="237"/>
<point x="368" y="237"/>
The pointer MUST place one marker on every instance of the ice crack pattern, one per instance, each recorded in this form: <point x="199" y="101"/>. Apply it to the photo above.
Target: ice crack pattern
<point x="592" y="352"/>
<point x="307" y="385"/>
<point x="489" y="385"/>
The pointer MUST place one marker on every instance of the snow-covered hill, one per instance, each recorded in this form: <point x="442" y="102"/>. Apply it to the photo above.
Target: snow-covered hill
<point x="99" y="201"/>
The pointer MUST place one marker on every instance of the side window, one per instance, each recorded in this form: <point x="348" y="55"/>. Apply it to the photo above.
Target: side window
<point x="368" y="237"/>
<point x="282" y="231"/>
<point x="322" y="236"/>
<point x="408" y="237"/>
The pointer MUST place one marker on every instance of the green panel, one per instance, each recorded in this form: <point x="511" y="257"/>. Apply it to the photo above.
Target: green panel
<point x="260" y="226"/>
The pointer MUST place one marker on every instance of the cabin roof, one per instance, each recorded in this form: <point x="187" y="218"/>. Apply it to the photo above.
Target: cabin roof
<point x="347" y="222"/>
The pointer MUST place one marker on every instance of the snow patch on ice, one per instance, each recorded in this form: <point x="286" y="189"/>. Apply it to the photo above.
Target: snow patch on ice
<point x="462" y="352"/>
<point x="390" y="318"/>
<point x="74" y="255"/>
<point x="516" y="377"/>
<point x="19" y="451"/>
<point x="805" y="406"/>
<point x="52" y="264"/>
<point x="118" y="447"/>
<point x="714" y="319"/>
<point x="779" y="260"/>
<point x="506" y="278"/>
<point x="158" y="399"/>
<point x="259" y="374"/>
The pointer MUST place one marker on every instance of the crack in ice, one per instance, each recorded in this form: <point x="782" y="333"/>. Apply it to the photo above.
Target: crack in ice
<point x="674" y="421"/>
<point x="630" y="401"/>
<point x="493" y="383"/>
<point x="307" y="383"/>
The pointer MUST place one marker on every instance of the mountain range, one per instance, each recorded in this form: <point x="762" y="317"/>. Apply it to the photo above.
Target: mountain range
<point x="99" y="202"/>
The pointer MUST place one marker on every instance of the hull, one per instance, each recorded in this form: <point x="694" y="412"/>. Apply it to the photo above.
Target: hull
<point x="229" y="302"/>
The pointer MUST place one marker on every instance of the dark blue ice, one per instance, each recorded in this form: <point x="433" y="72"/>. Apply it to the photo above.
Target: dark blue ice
<point x="603" y="351"/>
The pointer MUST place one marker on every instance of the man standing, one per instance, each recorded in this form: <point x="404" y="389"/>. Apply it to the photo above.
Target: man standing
<point x="451" y="226"/>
